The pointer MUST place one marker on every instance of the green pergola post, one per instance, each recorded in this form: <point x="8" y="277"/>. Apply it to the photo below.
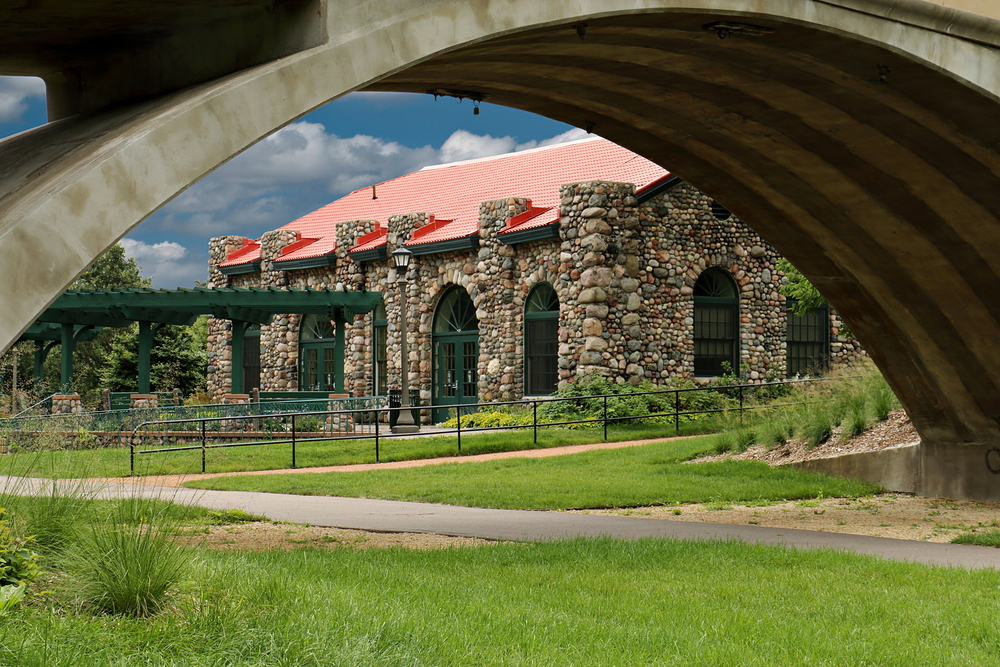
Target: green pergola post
<point x="68" y="345"/>
<point x="239" y="329"/>
<point x="340" y="324"/>
<point x="42" y="349"/>
<point x="146" y="333"/>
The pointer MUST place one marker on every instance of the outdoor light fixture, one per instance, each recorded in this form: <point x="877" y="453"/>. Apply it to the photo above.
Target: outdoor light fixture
<point x="401" y="258"/>
<point x="404" y="422"/>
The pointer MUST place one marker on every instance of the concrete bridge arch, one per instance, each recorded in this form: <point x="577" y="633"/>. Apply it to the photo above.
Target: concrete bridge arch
<point x="858" y="136"/>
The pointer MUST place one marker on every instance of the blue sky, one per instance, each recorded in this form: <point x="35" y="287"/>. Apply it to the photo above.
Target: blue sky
<point x="351" y="143"/>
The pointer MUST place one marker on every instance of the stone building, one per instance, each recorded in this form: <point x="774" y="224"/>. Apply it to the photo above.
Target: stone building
<point x="529" y="269"/>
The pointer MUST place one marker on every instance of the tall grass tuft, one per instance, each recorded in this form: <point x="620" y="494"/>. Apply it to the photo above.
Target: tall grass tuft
<point x="775" y="432"/>
<point x="856" y="420"/>
<point x="724" y="442"/>
<point x="745" y="438"/>
<point x="882" y="400"/>
<point x="128" y="563"/>
<point x="817" y="427"/>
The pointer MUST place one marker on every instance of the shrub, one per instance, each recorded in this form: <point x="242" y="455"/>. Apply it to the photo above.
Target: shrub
<point x="18" y="565"/>
<point x="493" y="417"/>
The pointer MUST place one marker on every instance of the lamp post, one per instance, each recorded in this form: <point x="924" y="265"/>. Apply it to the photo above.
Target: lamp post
<point x="404" y="423"/>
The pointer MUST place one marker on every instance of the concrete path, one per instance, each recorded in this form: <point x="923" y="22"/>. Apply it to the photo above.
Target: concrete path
<point x="515" y="525"/>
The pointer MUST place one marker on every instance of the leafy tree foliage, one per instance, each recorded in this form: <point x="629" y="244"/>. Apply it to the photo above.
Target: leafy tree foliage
<point x="798" y="287"/>
<point x="177" y="360"/>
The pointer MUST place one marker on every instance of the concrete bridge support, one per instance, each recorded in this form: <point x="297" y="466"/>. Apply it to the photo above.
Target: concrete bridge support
<point x="858" y="136"/>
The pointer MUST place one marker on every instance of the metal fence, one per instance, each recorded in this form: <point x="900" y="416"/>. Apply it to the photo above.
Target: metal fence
<point x="109" y="428"/>
<point x="370" y="422"/>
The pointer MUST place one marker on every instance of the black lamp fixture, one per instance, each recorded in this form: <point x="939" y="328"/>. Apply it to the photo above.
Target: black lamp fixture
<point x="401" y="258"/>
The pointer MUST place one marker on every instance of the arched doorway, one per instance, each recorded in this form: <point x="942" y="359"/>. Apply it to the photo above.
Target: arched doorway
<point x="456" y="352"/>
<point x="541" y="341"/>
<point x="716" y="324"/>
<point x="317" y="354"/>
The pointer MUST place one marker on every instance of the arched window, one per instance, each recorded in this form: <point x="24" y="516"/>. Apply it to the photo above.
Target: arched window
<point x="716" y="323"/>
<point x="380" y="337"/>
<point x="541" y="341"/>
<point x="808" y="340"/>
<point x="456" y="351"/>
<point x="316" y="354"/>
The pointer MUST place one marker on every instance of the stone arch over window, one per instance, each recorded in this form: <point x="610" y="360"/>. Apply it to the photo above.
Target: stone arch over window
<point x="716" y="323"/>
<point x="541" y="340"/>
<point x="317" y="354"/>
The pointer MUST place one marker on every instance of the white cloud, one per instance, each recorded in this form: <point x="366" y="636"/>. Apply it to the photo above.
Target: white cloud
<point x="14" y="94"/>
<point x="288" y="174"/>
<point x="169" y="263"/>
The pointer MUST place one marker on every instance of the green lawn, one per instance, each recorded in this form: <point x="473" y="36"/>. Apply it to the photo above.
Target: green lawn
<point x="596" y="602"/>
<point x="115" y="462"/>
<point x="634" y="476"/>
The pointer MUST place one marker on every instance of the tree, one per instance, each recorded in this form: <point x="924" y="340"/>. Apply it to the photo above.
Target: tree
<point x="178" y="359"/>
<point x="806" y="296"/>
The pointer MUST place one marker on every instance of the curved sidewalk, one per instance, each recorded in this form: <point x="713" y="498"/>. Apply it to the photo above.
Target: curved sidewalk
<point x="517" y="525"/>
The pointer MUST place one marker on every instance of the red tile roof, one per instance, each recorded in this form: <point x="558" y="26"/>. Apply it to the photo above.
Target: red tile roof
<point x="453" y="192"/>
<point x="249" y="253"/>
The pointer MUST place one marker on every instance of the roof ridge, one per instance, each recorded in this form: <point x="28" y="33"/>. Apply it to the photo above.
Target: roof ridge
<point x="501" y="156"/>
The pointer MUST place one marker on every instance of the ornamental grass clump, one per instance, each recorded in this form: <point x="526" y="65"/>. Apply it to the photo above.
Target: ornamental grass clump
<point x="128" y="563"/>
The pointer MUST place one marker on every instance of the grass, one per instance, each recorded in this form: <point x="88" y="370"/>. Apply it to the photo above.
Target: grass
<point x="115" y="462"/>
<point x="581" y="602"/>
<point x="989" y="538"/>
<point x="643" y="475"/>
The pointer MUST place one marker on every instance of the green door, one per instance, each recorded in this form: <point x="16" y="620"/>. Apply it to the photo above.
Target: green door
<point x="456" y="370"/>
<point x="456" y="353"/>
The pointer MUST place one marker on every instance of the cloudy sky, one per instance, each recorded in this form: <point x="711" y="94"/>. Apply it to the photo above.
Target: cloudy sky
<point x="358" y="140"/>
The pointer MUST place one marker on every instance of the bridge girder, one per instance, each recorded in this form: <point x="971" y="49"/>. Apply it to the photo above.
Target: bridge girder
<point x="858" y="136"/>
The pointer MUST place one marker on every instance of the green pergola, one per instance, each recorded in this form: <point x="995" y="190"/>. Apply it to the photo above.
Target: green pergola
<point x="79" y="314"/>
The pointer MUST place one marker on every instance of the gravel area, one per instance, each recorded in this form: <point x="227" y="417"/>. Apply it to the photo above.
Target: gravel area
<point x="266" y="535"/>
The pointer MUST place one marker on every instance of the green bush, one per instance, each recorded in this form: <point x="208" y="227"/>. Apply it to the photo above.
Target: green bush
<point x="625" y="400"/>
<point x="493" y="417"/>
<point x="18" y="565"/>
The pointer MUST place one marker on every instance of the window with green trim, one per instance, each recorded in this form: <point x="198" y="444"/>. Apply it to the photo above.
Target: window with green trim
<point x="380" y="356"/>
<point x="716" y="323"/>
<point x="316" y="354"/>
<point x="807" y="340"/>
<point x="541" y="341"/>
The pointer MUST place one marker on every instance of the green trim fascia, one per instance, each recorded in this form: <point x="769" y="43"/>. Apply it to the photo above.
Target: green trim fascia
<point x="657" y="189"/>
<point x="369" y="255"/>
<point x="550" y="231"/>
<point x="239" y="269"/>
<point x="308" y="263"/>
<point x="464" y="243"/>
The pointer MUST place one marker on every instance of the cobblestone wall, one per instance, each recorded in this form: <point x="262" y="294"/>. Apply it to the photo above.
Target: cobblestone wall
<point x="624" y="273"/>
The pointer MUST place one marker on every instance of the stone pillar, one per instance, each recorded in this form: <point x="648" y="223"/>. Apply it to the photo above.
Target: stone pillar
<point x="137" y="401"/>
<point x="63" y="404"/>
<point x="493" y="290"/>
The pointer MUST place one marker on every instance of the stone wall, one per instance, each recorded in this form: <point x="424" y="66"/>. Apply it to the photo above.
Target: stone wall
<point x="624" y="273"/>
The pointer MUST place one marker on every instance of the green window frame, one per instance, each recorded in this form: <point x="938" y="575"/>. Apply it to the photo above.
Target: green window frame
<point x="317" y="352"/>
<point x="541" y="341"/>
<point x="807" y="340"/>
<point x="380" y="351"/>
<point x="716" y="324"/>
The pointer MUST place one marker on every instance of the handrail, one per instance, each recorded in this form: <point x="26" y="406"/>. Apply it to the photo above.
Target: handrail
<point x="32" y="407"/>
<point x="295" y="435"/>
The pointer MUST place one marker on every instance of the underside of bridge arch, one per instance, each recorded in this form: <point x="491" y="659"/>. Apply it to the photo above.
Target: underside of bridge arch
<point x="873" y="168"/>
<point x="874" y="174"/>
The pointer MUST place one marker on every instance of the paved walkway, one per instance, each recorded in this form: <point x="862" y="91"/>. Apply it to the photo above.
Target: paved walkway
<point x="515" y="525"/>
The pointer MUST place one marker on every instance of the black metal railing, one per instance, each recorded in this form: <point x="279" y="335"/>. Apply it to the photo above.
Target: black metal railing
<point x="371" y="422"/>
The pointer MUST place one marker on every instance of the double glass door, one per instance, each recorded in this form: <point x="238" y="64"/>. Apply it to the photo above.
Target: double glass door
<point x="456" y="372"/>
